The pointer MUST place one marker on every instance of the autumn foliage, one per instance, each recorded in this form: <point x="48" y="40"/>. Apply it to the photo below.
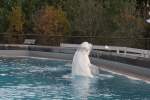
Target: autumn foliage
<point x="16" y="21"/>
<point x="49" y="22"/>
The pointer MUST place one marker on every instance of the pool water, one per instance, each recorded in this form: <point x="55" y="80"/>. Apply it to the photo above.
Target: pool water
<point x="43" y="79"/>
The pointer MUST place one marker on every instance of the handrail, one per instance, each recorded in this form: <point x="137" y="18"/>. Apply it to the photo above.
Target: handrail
<point x="116" y="49"/>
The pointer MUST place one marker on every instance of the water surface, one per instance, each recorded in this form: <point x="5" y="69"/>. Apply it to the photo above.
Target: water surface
<point x="41" y="79"/>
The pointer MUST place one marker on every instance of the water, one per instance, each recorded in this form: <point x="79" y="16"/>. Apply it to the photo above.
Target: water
<point x="81" y="62"/>
<point x="41" y="79"/>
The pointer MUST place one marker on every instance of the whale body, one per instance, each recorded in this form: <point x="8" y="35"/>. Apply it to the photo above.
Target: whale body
<point x="81" y="62"/>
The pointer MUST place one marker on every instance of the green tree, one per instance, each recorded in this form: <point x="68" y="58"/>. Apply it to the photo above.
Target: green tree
<point x="130" y="26"/>
<point x="29" y="7"/>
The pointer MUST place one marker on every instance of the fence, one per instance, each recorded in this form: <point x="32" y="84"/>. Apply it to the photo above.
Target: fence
<point x="126" y="51"/>
<point x="141" y="43"/>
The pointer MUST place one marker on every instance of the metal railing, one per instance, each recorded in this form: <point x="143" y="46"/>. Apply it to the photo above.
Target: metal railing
<point x="126" y="51"/>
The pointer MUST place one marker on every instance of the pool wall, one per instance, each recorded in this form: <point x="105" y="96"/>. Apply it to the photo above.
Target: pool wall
<point x="128" y="65"/>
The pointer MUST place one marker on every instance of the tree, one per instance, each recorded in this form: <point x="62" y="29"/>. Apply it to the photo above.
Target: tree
<point x="50" y="21"/>
<point x="108" y="19"/>
<point x="130" y="26"/>
<point x="16" y="21"/>
<point x="88" y="19"/>
<point x="4" y="12"/>
<point x="143" y="6"/>
<point x="29" y="7"/>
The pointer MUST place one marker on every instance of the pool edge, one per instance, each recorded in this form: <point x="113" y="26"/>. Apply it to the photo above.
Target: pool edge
<point x="67" y="54"/>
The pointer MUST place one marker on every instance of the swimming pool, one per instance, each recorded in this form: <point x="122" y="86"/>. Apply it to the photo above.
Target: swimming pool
<point x="23" y="78"/>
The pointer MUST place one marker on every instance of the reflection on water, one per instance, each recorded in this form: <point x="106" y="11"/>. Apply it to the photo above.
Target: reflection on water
<point x="81" y="87"/>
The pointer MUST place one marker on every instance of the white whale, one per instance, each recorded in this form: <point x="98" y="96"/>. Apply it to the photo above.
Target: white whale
<point x="81" y="62"/>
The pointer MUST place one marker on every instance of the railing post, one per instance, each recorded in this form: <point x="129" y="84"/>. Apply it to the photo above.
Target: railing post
<point x="146" y="54"/>
<point x="143" y="53"/>
<point x="118" y="51"/>
<point x="125" y="51"/>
